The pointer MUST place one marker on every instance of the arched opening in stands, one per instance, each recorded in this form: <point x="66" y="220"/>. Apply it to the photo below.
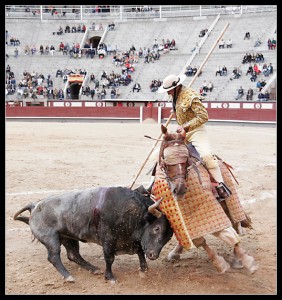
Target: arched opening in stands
<point x="74" y="89"/>
<point x="94" y="41"/>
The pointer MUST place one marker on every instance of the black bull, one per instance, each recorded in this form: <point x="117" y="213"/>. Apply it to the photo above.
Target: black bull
<point x="117" y="218"/>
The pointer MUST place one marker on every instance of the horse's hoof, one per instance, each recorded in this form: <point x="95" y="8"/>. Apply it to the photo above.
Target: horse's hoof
<point x="173" y="256"/>
<point x="250" y="264"/>
<point x="220" y="264"/>
<point x="237" y="264"/>
<point x="70" y="279"/>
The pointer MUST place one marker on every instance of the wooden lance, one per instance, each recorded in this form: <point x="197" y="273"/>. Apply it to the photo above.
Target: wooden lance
<point x="189" y="85"/>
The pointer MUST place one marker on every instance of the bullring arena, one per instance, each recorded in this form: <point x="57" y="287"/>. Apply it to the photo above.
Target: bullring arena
<point x="45" y="158"/>
<point x="59" y="145"/>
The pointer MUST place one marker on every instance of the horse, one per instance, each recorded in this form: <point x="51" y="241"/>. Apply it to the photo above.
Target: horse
<point x="192" y="205"/>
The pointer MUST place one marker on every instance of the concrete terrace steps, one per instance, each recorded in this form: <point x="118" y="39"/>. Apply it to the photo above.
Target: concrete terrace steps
<point x="185" y="31"/>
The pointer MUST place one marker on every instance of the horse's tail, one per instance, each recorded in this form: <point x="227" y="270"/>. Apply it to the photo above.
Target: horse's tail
<point x="30" y="207"/>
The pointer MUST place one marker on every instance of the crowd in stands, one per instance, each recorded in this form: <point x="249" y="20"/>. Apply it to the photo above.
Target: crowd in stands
<point x="191" y="71"/>
<point x="127" y="60"/>
<point x="73" y="29"/>
<point x="222" y="44"/>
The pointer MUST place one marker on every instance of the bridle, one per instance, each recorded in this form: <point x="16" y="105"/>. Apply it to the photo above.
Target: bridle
<point x="172" y="171"/>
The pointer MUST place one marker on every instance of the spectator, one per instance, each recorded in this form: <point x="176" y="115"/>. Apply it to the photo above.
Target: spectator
<point x="202" y="92"/>
<point x="137" y="87"/>
<point x="61" y="47"/>
<point x="250" y="70"/>
<point x="16" y="53"/>
<point x="257" y="43"/>
<point x="65" y="78"/>
<point x="26" y="49"/>
<point x="205" y="86"/>
<point x="52" y="49"/>
<point x="59" y="73"/>
<point x="67" y="29"/>
<point x="269" y="70"/>
<point x="189" y="71"/>
<point x="8" y="69"/>
<point x="236" y="73"/>
<point x="273" y="42"/>
<point x="60" y="31"/>
<point x="229" y="43"/>
<point x="218" y="71"/>
<point x="196" y="48"/>
<point x="92" y="93"/>
<point x="221" y="44"/>
<point x="103" y="94"/>
<point x="249" y="95"/>
<point x="111" y="26"/>
<point x="256" y="69"/>
<point x="260" y="96"/>
<point x="210" y="86"/>
<point x="113" y="93"/>
<point x="259" y="85"/>
<point x="247" y="35"/>
<point x="253" y="77"/>
<point x="61" y="94"/>
<point x="41" y="49"/>
<point x="266" y="95"/>
<point x="92" y="77"/>
<point x="203" y="32"/>
<point x="240" y="93"/>
<point x="33" y="49"/>
<point x="224" y="71"/>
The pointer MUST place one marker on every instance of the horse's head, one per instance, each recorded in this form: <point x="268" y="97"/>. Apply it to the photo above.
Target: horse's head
<point x="173" y="160"/>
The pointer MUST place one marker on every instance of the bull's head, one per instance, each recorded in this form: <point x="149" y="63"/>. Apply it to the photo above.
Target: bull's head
<point x="157" y="233"/>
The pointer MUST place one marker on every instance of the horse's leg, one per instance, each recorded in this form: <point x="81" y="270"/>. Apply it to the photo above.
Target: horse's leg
<point x="246" y="260"/>
<point x="241" y="259"/>
<point x="175" y="253"/>
<point x="218" y="261"/>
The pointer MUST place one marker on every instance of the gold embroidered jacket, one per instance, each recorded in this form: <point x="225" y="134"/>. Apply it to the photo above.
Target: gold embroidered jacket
<point x="190" y="109"/>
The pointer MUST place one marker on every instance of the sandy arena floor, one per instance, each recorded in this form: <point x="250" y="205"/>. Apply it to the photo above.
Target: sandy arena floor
<point x="45" y="158"/>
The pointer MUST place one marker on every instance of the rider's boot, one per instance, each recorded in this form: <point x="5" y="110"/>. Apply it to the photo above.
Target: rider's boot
<point x="222" y="190"/>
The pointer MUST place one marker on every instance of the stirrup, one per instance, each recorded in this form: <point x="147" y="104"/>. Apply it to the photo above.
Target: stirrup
<point x="223" y="191"/>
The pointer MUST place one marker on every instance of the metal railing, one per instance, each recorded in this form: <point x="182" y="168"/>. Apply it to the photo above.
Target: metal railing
<point x="110" y="12"/>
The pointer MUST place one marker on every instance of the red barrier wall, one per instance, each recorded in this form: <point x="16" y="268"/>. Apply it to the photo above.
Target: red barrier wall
<point x="231" y="111"/>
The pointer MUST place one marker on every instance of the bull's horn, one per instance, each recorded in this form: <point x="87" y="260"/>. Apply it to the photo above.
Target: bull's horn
<point x="152" y="209"/>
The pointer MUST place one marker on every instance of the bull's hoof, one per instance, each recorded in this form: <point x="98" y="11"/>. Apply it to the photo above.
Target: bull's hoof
<point x="173" y="256"/>
<point x="250" y="264"/>
<point x="111" y="281"/>
<point x="142" y="274"/>
<point x="220" y="264"/>
<point x="70" y="279"/>
<point x="237" y="263"/>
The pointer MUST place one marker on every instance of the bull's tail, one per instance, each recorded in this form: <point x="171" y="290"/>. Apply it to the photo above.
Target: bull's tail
<point x="30" y="208"/>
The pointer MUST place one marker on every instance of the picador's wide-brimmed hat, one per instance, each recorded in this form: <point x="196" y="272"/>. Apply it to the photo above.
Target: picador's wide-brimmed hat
<point x="171" y="82"/>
